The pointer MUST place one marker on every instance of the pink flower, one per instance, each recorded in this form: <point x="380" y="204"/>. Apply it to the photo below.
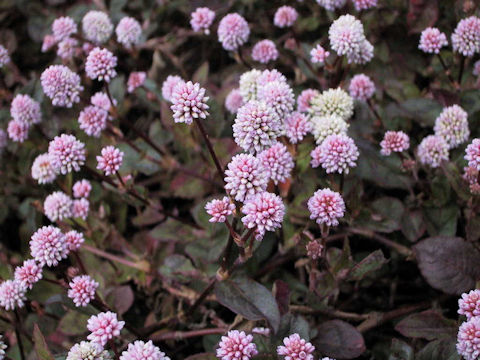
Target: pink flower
<point x="48" y="246"/>
<point x="189" y="102"/>
<point x="140" y="350"/>
<point x="93" y="120"/>
<point x="81" y="189"/>
<point x="74" y="240"/>
<point x="261" y="331"/>
<point x="110" y="160"/>
<point x="67" y="48"/>
<point x="135" y="80"/>
<point x="18" y="130"/>
<point x="233" y="31"/>
<point x="25" y="109"/>
<point x="219" y="209"/>
<point x="347" y="38"/>
<point x="201" y="19"/>
<point x="297" y="126"/>
<point x="473" y="154"/>
<point x="42" y="169"/>
<point x="466" y="37"/>
<point x="63" y="27"/>
<point x="82" y="290"/>
<point x="28" y="274"/>
<point x="433" y="150"/>
<point x="236" y="346"/>
<point x="4" y="57"/>
<point x="331" y="5"/>
<point x="61" y="85"/>
<point x="432" y="40"/>
<point x="245" y="177"/>
<point x="469" y="304"/>
<point x="169" y="85"/>
<point x="58" y="206"/>
<point x="296" y="348"/>
<point x="314" y="249"/>
<point x="128" y="32"/>
<point x="364" y="4"/>
<point x="86" y="350"/>
<point x="80" y="208"/>
<point x="303" y="100"/>
<point x="470" y="174"/>
<point x="468" y="339"/>
<point x="394" y="141"/>
<point x="97" y="27"/>
<point x="263" y="212"/>
<point x="318" y="55"/>
<point x="337" y="153"/>
<point x="326" y="207"/>
<point x="66" y="153"/>
<point x="12" y="294"/>
<point x="278" y="96"/>
<point x="48" y="42"/>
<point x="104" y="327"/>
<point x="101" y="100"/>
<point x="361" y="87"/>
<point x="285" y="16"/>
<point x="452" y="125"/>
<point x="234" y="101"/>
<point x="100" y="65"/>
<point x="268" y="76"/>
<point x="277" y="162"/>
<point x="264" y="51"/>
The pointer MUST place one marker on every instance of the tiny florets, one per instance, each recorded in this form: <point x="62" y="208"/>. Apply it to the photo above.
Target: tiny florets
<point x="48" y="42"/>
<point x="61" y="85"/>
<point x="74" y="240"/>
<point x="128" y="32"/>
<point x="135" y="80"/>
<point x="24" y="108"/>
<point x="82" y="290"/>
<point x="394" y="141"/>
<point x="12" y="294"/>
<point x="4" y="57"/>
<point x="265" y="51"/>
<point x="332" y="102"/>
<point x="469" y="304"/>
<point x="236" y="345"/>
<point x="201" y="19"/>
<point x="58" y="206"/>
<point x="433" y="150"/>
<point x="104" y="327"/>
<point x="245" y="176"/>
<point x="100" y="65"/>
<point x="278" y="96"/>
<point x="189" y="102"/>
<point x="248" y="84"/>
<point x="303" y="100"/>
<point x="297" y="126"/>
<point x="472" y="154"/>
<point x="361" y="87"/>
<point x="81" y="189"/>
<point x="331" y="5"/>
<point x="110" y="160"/>
<point x="468" y="339"/>
<point x="93" y="120"/>
<point x="96" y="26"/>
<point x="169" y="85"/>
<point x="80" y="208"/>
<point x="347" y="38"/>
<point x="28" y="274"/>
<point x="48" y="246"/>
<point x="452" y="125"/>
<point x="318" y="55"/>
<point x="285" y="16"/>
<point x="101" y="100"/>
<point x="314" y="249"/>
<point x="324" y="126"/>
<point x="296" y="348"/>
<point x="140" y="350"/>
<point x="432" y="40"/>
<point x="337" y="153"/>
<point x="233" y="31"/>
<point x="67" y="48"/>
<point x="63" y="27"/>
<point x="88" y="351"/>
<point x="18" y="130"/>
<point x="43" y="170"/>
<point x="234" y="101"/>
<point x="326" y="207"/>
<point x="66" y="153"/>
<point x="263" y="212"/>
<point x="466" y="37"/>
<point x="364" y="4"/>
<point x="268" y="76"/>
<point x="219" y="209"/>
<point x="277" y="162"/>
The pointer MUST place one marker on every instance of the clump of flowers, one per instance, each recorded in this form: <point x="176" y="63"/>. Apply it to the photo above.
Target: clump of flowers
<point x="219" y="209"/>
<point x="466" y="37"/>
<point x="331" y="5"/>
<point x="277" y="162"/>
<point x="169" y="85"/>
<point x="104" y="327"/>
<point x="452" y="125"/>
<point x="361" y="87"/>
<point x="101" y="100"/>
<point x="12" y="295"/>
<point x="236" y="345"/>
<point x="468" y="344"/>
<point x="80" y="208"/>
<point x="248" y="84"/>
<point x="469" y="304"/>
<point x="48" y="246"/>
<point x="100" y="65"/>
<point x="332" y="102"/>
<point x="433" y="150"/>
<point x="4" y="57"/>
<point x="81" y="189"/>
<point x="233" y="31"/>
<point x="285" y="16"/>
<point x="93" y="120"/>
<point x="432" y="40"/>
<point x="28" y="274"/>
<point x="58" y="206"/>
<point x="297" y="126"/>
<point x="25" y="109"/>
<point x="324" y="126"/>
<point x="318" y="55"/>
<point x="110" y="160"/>
<point x="314" y="249"/>
<point x="278" y="96"/>
<point x="135" y="80"/>
<point x="264" y="51"/>
<point x="87" y="350"/>
<point x="97" y="27"/>
<point x="82" y="290"/>
<point x="189" y="103"/>
<point x="337" y="153"/>
<point x="296" y="348"/>
<point x="67" y="47"/>
<point x="234" y="101"/>
<point x="61" y="85"/>
<point x="74" y="240"/>
<point x="18" y="130"/>
<point x="140" y="350"/>
<point x="326" y="207"/>
<point x="364" y="4"/>
<point x="66" y="153"/>
<point x="304" y="99"/>
<point x="394" y="141"/>
<point x="48" y="42"/>
<point x="472" y="154"/>
<point x="63" y="27"/>
<point x="201" y="19"/>
<point x="128" y="32"/>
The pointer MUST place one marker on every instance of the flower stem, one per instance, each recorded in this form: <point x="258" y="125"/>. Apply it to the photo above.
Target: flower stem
<point x="18" y="324"/>
<point x="447" y="71"/>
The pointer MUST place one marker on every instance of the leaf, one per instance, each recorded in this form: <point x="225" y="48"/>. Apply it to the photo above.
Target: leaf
<point x="400" y="350"/>
<point x="444" y="349"/>
<point x="201" y="75"/>
<point x="441" y="221"/>
<point x="282" y="295"/>
<point x="122" y="298"/>
<point x="447" y="263"/>
<point x="41" y="347"/>
<point x="249" y="299"/>
<point x="429" y="325"/>
<point x="339" y="339"/>
<point x="73" y="323"/>
<point x="421" y="14"/>
<point x="413" y="225"/>
<point x="371" y="263"/>
<point x="422" y="110"/>
<point x="387" y="214"/>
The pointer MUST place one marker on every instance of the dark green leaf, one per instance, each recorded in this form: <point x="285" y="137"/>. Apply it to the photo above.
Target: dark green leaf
<point x="339" y="339"/>
<point x="41" y="347"/>
<point x="444" y="349"/>
<point x="371" y="263"/>
<point x="428" y="325"/>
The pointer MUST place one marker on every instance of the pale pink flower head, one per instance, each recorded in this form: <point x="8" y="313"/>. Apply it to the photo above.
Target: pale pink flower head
<point x="263" y="212"/>
<point x="189" y="102"/>
<point x="80" y="208"/>
<point x="318" y="55"/>
<point x="432" y="40"/>
<point x="347" y="38"/>
<point x="18" y="130"/>
<point x="433" y="150"/>
<point x="265" y="51"/>
<point x="261" y="331"/>
<point x="233" y="31"/>
<point x="48" y="42"/>
<point x="110" y="160"/>
<point x="364" y="4"/>
<point x="314" y="249"/>
<point x="472" y="154"/>
<point x="96" y="26"/>
<point x="337" y="153"/>
<point x="140" y="350"/>
<point x="82" y="290"/>
<point x="101" y="100"/>
<point x="135" y="80"/>
<point x="74" y="240"/>
<point x="297" y="126"/>
<point x="476" y="68"/>
<point x="128" y="32"/>
<point x="12" y="294"/>
<point x="268" y="76"/>
<point x="363" y="55"/>
<point x="100" y="65"/>
<point x="169" y="85"/>
<point x="245" y="176"/>
<point x="277" y="162"/>
<point x="104" y="327"/>
<point x="201" y="19"/>
<point x="296" y="348"/>
<point x="28" y="274"/>
<point x="58" y="206"/>
<point x="81" y="189"/>
<point x="452" y="125"/>
<point x="24" y="108"/>
<point x="63" y="27"/>
<point x="466" y="37"/>
<point x="61" y="85"/>
<point x="394" y="141"/>
<point x="303" y="100"/>
<point x="285" y="16"/>
<point x="331" y="5"/>
<point x="469" y="304"/>
<point x="219" y="209"/>
<point x="278" y="95"/>
<point x="67" y="48"/>
<point x="48" y="246"/>
<point x="234" y="101"/>
<point x="470" y="174"/>
<point x="468" y="339"/>
<point x="93" y="120"/>
<point x="42" y="169"/>
<point x="87" y="350"/>
<point x="361" y="87"/>
<point x="236" y="345"/>
<point x="66" y="153"/>
<point x="326" y="207"/>
<point x="4" y="57"/>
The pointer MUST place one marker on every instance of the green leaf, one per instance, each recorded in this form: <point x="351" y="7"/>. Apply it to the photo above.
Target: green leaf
<point x="441" y="221"/>
<point x="41" y="347"/>
<point x="444" y="349"/>
<point x="339" y="339"/>
<point x="73" y="323"/>
<point x="371" y="263"/>
<point x="413" y="225"/>
<point x="201" y="75"/>
<point x="429" y="325"/>
<point x="400" y="350"/>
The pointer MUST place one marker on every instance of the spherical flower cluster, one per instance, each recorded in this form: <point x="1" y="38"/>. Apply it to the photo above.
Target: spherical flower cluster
<point x="256" y="126"/>
<point x="219" y="209"/>
<point x="278" y="96"/>
<point x="314" y="249"/>
<point x="361" y="87"/>
<point x="263" y="212"/>
<point x="97" y="27"/>
<point x="277" y="162"/>
<point x="42" y="169"/>
<point x="331" y="5"/>
<point x="201" y="19"/>
<point x="81" y="189"/>
<point x="347" y="38"/>
<point x="18" y="130"/>
<point x="28" y="274"/>
<point x="248" y="84"/>
<point x="303" y="100"/>
<point x="469" y="304"/>
<point x="169" y="85"/>
<point x="332" y="102"/>
<point x="4" y="57"/>
<point x="364" y="4"/>
<point x="363" y="56"/>
<point x="476" y="68"/>
<point x="394" y="141"/>
<point x="236" y="345"/>
<point x="88" y="351"/>
<point x="468" y="339"/>
<point x="48" y="42"/>
<point x="12" y="294"/>
<point x="80" y="208"/>
<point x="135" y="80"/>
<point x="472" y="154"/>
<point x="466" y="37"/>
<point x="48" y="246"/>
<point x="432" y="40"/>
<point x="67" y="48"/>
<point x="101" y="100"/>
<point x="245" y="176"/>
<point x="82" y="290"/>
<point x="268" y="76"/>
<point x="318" y="55"/>
<point x="104" y="327"/>
<point x="100" y="65"/>
<point x="58" y="206"/>
<point x="261" y="331"/>
<point x="140" y="350"/>
<point x="285" y="16"/>
<point x="93" y="120"/>
<point x="234" y="101"/>
<point x="265" y="51"/>
<point x="128" y="31"/>
<point x="61" y="85"/>
<point x="296" y="348"/>
<point x="189" y="102"/>
<point x="297" y="126"/>
<point x="74" y="240"/>
<point x="337" y="153"/>
<point x="66" y="153"/>
<point x="324" y="126"/>
<point x="452" y="125"/>
<point x="433" y="150"/>
<point x="326" y="207"/>
<point x="233" y="31"/>
<point x="25" y="109"/>
<point x="63" y="27"/>
<point x="110" y="160"/>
